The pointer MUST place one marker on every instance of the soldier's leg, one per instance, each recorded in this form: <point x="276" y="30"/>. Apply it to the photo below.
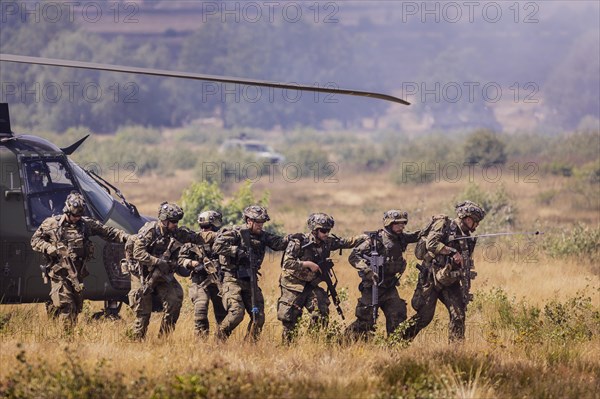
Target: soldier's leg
<point x="424" y="301"/>
<point x="141" y="306"/>
<point x="171" y="295"/>
<point x="63" y="299"/>
<point x="452" y="298"/>
<point x="394" y="309"/>
<point x="317" y="304"/>
<point x="364" y="323"/>
<point x="233" y="303"/>
<point x="258" y="321"/>
<point x="199" y="297"/>
<point x="217" y="303"/>
<point x="289" y="312"/>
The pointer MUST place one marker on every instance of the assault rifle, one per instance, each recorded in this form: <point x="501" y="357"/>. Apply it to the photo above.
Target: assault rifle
<point x="210" y="266"/>
<point x="467" y="271"/>
<point x="375" y="262"/>
<point x="251" y="272"/>
<point x="66" y="259"/>
<point x="159" y="272"/>
<point x="327" y="274"/>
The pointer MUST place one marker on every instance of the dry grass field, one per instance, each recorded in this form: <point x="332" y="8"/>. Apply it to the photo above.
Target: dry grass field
<point x="533" y="329"/>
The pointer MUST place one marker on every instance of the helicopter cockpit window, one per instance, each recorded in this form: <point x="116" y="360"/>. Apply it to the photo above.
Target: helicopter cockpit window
<point x="48" y="183"/>
<point x="101" y="201"/>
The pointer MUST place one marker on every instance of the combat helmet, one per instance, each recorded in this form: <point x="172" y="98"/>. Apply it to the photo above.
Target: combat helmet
<point x="469" y="208"/>
<point x="394" y="216"/>
<point x="320" y="221"/>
<point x="75" y="204"/>
<point x="210" y="218"/>
<point x="171" y="212"/>
<point x="256" y="213"/>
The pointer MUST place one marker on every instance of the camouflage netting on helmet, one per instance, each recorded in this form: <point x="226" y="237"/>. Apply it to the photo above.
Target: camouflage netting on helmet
<point x="320" y="221"/>
<point x="470" y="209"/>
<point x="256" y="213"/>
<point x="170" y="212"/>
<point x="75" y="204"/>
<point x="394" y="216"/>
<point x="210" y="218"/>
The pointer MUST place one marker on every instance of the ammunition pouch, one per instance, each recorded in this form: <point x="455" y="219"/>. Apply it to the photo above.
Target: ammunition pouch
<point x="445" y="276"/>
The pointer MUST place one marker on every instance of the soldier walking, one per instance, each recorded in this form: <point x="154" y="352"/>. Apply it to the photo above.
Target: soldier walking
<point x="65" y="241"/>
<point x="241" y="251"/>
<point x="304" y="258"/>
<point x="386" y="247"/>
<point x="153" y="264"/>
<point x="206" y="272"/>
<point x="442" y="268"/>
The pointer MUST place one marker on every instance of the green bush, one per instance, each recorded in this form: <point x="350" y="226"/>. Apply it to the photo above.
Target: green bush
<point x="203" y="196"/>
<point x="484" y="148"/>
<point x="581" y="241"/>
<point x="311" y="160"/>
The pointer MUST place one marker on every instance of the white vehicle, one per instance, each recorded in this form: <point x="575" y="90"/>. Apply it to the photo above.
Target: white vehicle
<point x="256" y="148"/>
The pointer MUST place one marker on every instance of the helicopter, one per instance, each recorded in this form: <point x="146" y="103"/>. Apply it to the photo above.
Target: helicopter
<point x="36" y="176"/>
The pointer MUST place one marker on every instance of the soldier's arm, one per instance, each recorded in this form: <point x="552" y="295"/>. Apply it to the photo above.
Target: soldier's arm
<point x="433" y="242"/>
<point x="291" y="258"/>
<point x="227" y="243"/>
<point x="140" y="252"/>
<point x="275" y="242"/>
<point x="184" y="235"/>
<point x="412" y="237"/>
<point x="347" y="242"/>
<point x="40" y="240"/>
<point x="188" y="257"/>
<point x="356" y="257"/>
<point x="106" y="232"/>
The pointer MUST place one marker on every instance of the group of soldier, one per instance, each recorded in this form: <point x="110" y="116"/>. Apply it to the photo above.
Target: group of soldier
<point x="223" y="263"/>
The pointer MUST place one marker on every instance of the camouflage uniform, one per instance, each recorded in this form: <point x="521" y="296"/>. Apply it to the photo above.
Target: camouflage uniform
<point x="391" y="246"/>
<point x="299" y="285"/>
<point x="234" y="258"/>
<point x="148" y="251"/>
<point x="58" y="237"/>
<point x="439" y="276"/>
<point x="205" y="287"/>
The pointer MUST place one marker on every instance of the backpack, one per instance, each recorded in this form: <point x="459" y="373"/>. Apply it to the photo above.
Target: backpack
<point x="421" y="247"/>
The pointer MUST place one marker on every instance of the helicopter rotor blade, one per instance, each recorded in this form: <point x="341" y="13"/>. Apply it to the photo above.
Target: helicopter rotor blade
<point x="196" y="76"/>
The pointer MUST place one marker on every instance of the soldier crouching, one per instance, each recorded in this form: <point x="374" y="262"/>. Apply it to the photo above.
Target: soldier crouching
<point x="154" y="262"/>
<point x="440" y="274"/>
<point x="206" y="273"/>
<point x="65" y="240"/>
<point x="390" y="244"/>
<point x="301" y="274"/>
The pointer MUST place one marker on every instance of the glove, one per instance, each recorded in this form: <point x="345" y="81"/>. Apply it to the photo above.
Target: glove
<point x="295" y="236"/>
<point x="51" y="250"/>
<point x="182" y="271"/>
<point x="369" y="275"/>
<point x="198" y="269"/>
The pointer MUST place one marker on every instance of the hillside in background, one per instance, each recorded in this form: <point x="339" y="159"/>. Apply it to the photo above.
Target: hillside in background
<point x="510" y="67"/>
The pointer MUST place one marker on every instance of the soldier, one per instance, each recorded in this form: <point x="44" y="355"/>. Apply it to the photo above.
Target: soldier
<point x="152" y="268"/>
<point x="440" y="273"/>
<point x="241" y="252"/>
<point x="206" y="272"/>
<point x="390" y="242"/>
<point x="301" y="274"/>
<point x="65" y="241"/>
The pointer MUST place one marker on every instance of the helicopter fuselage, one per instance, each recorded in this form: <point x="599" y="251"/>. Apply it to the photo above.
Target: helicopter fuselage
<point x="35" y="178"/>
